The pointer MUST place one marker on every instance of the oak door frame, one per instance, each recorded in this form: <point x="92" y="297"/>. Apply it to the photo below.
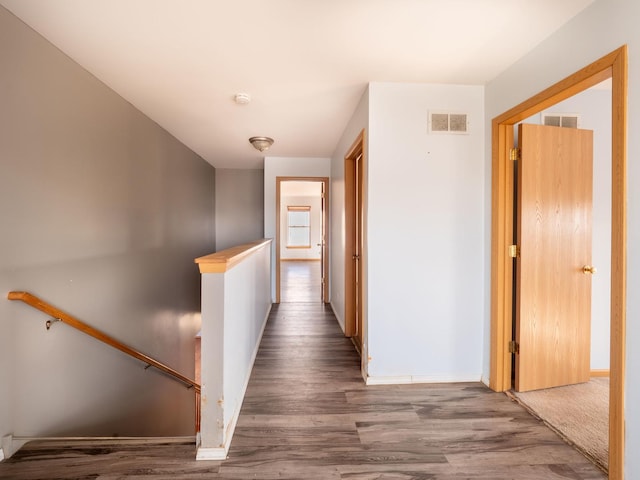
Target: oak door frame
<point x="356" y="148"/>
<point x="325" y="231"/>
<point x="614" y="66"/>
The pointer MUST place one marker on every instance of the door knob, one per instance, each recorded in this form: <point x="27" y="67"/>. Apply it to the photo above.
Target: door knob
<point x="589" y="269"/>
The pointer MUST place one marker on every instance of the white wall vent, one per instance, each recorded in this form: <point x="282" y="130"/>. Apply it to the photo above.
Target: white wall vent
<point x="567" y="120"/>
<point x="444" y="122"/>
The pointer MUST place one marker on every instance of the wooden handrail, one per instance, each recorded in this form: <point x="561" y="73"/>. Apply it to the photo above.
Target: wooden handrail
<point x="58" y="314"/>
<point x="225" y="260"/>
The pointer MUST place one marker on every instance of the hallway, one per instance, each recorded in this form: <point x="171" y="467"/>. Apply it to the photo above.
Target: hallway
<point x="308" y="415"/>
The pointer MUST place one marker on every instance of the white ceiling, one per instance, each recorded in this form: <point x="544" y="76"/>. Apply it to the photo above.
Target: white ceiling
<point x="305" y="63"/>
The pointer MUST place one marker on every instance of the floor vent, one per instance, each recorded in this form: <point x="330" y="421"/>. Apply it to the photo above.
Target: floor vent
<point x="440" y="122"/>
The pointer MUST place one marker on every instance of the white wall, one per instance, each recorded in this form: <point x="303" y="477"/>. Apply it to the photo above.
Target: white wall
<point x="235" y="307"/>
<point x="359" y="121"/>
<point x="286" y="167"/>
<point x="600" y="29"/>
<point x="425" y="235"/>
<point x="315" y="231"/>
<point x="594" y="108"/>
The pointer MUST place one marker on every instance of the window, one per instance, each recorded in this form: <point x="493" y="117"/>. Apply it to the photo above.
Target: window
<point x="299" y="227"/>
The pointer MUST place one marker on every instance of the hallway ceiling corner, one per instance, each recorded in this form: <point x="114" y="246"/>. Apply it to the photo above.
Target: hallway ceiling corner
<point x="305" y="64"/>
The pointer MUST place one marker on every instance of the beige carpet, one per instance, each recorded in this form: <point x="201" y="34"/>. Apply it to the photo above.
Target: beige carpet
<point x="578" y="413"/>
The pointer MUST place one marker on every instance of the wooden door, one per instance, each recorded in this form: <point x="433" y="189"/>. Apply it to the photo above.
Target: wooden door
<point x="357" y="252"/>
<point x="553" y="282"/>
<point x="354" y="213"/>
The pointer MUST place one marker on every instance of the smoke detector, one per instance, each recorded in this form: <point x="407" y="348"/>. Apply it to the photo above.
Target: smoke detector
<point x="242" y="98"/>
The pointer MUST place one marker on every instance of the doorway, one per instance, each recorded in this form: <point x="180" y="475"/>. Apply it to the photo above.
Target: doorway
<point x="354" y="163"/>
<point x="612" y="66"/>
<point x="301" y="232"/>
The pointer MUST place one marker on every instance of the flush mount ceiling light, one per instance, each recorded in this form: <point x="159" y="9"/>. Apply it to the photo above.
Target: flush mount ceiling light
<point x="261" y="143"/>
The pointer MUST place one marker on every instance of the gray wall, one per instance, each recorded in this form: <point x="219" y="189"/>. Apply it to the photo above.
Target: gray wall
<point x="102" y="214"/>
<point x="239" y="207"/>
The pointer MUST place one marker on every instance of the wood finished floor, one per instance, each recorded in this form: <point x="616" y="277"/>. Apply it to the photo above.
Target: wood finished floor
<point x="308" y="415"/>
<point x="300" y="281"/>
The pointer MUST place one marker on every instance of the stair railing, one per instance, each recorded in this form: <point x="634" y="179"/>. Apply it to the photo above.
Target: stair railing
<point x="59" y="315"/>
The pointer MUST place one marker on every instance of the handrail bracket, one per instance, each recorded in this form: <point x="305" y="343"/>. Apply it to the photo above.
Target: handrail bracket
<point x="51" y="321"/>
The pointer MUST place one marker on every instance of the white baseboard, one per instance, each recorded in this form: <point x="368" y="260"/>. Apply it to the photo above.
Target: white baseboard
<point x="217" y="453"/>
<point x="220" y="453"/>
<point x="10" y="445"/>
<point x="5" y="444"/>
<point x="409" y="379"/>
